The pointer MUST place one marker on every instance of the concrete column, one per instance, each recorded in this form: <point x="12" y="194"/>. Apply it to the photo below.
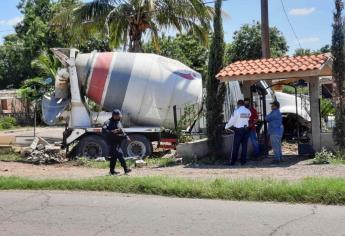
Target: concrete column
<point x="314" y="91"/>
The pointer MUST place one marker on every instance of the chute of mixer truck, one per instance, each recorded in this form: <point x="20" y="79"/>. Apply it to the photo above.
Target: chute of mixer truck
<point x="144" y="86"/>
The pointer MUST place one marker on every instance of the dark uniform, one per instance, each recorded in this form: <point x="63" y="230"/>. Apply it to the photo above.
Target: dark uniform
<point x="239" y="123"/>
<point x="114" y="141"/>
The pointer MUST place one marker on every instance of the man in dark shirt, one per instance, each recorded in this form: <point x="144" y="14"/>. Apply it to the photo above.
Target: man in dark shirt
<point x="113" y="131"/>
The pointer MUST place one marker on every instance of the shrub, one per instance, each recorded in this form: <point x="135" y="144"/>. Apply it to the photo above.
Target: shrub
<point x="323" y="157"/>
<point x="7" y="122"/>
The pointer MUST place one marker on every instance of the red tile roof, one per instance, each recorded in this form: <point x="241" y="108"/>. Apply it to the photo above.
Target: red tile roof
<point x="274" y="65"/>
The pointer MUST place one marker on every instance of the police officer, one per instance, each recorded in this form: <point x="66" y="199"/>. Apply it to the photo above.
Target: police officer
<point x="239" y="123"/>
<point x="113" y="131"/>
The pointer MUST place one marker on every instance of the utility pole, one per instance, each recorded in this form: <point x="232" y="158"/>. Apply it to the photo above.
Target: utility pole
<point x="265" y="33"/>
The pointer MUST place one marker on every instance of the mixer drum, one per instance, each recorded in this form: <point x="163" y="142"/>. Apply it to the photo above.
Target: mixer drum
<point x="143" y="86"/>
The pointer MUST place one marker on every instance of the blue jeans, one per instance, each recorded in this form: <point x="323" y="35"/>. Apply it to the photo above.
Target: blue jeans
<point x="276" y="142"/>
<point x="254" y="140"/>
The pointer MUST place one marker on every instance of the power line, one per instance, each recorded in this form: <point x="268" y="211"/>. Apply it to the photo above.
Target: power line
<point x="288" y="19"/>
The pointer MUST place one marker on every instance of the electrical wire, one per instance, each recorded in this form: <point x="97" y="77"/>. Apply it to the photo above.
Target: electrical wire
<point x="292" y="28"/>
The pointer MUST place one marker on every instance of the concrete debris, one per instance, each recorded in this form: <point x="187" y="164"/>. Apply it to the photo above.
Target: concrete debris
<point x="140" y="163"/>
<point x="100" y="159"/>
<point x="41" y="152"/>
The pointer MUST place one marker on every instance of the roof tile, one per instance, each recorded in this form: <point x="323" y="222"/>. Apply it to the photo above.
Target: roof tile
<point x="274" y="65"/>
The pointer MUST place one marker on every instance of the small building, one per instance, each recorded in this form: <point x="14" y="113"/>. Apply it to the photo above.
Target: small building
<point x="290" y="69"/>
<point x="11" y="102"/>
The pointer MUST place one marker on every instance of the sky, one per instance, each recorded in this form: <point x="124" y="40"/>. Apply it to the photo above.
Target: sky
<point x="311" y="19"/>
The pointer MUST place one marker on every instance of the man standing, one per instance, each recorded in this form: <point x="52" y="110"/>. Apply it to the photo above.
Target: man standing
<point x="252" y="127"/>
<point x="239" y="123"/>
<point x="113" y="131"/>
<point x="275" y="130"/>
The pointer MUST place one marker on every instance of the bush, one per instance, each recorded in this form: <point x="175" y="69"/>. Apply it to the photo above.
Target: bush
<point x="323" y="157"/>
<point x="7" y="122"/>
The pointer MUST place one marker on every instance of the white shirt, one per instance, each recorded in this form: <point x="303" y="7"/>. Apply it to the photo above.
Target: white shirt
<point x="240" y="118"/>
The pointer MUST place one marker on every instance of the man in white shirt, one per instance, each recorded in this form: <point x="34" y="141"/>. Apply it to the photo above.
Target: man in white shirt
<point x="239" y="123"/>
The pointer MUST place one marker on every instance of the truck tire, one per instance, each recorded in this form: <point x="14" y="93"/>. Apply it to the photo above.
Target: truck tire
<point x="139" y="146"/>
<point x="92" y="147"/>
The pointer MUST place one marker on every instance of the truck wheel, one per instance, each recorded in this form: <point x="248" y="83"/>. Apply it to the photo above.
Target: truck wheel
<point x="92" y="146"/>
<point x="139" y="146"/>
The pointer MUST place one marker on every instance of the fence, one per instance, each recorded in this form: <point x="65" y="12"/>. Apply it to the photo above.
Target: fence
<point x="21" y="118"/>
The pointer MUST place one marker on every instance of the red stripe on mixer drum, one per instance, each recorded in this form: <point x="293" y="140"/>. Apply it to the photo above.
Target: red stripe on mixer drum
<point x="99" y="76"/>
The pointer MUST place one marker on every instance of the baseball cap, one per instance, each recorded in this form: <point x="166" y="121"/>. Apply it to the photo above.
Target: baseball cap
<point x="276" y="103"/>
<point x="117" y="112"/>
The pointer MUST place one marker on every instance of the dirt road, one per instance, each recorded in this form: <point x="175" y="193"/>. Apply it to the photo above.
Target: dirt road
<point x="288" y="171"/>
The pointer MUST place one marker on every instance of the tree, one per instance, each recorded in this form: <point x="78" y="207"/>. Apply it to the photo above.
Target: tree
<point x="215" y="89"/>
<point x="33" y="35"/>
<point x="185" y="48"/>
<point x="338" y="47"/>
<point x="303" y="52"/>
<point x="246" y="43"/>
<point x="100" y="45"/>
<point x="308" y="52"/>
<point x="127" y="21"/>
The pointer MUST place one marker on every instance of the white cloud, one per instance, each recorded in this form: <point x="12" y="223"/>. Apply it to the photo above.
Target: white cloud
<point x="301" y="11"/>
<point x="11" y="22"/>
<point x="309" y="40"/>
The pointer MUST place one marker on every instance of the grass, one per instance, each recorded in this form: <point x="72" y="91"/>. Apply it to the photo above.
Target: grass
<point x="11" y="157"/>
<point x="310" y="190"/>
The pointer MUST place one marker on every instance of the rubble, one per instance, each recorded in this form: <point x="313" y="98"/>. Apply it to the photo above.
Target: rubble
<point x="140" y="163"/>
<point x="41" y="152"/>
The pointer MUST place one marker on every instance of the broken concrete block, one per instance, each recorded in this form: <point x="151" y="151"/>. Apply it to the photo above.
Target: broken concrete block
<point x="26" y="151"/>
<point x="140" y="163"/>
<point x="7" y="139"/>
<point x="34" y="143"/>
<point x="40" y="147"/>
<point x="52" y="149"/>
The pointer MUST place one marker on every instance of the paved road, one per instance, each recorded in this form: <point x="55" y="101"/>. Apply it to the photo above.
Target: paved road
<point x="89" y="213"/>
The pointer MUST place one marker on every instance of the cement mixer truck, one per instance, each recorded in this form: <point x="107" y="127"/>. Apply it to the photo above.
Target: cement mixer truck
<point x="145" y="87"/>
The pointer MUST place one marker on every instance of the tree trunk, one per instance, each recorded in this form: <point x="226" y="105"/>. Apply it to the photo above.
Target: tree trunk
<point x="135" y="35"/>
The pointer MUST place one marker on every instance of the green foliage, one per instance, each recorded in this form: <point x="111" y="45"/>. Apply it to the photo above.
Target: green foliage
<point x="10" y="157"/>
<point x="291" y="90"/>
<point x="7" y="122"/>
<point x="327" y="108"/>
<point x="339" y="158"/>
<point x="338" y="52"/>
<point x="126" y="22"/>
<point x="309" y="190"/>
<point x="308" y="52"/>
<point x="303" y="52"/>
<point x="100" y="45"/>
<point x="246" y="43"/>
<point x="215" y="89"/>
<point x="33" y="35"/>
<point x="327" y="157"/>
<point x="185" y="48"/>
<point x="186" y="120"/>
<point x="323" y="157"/>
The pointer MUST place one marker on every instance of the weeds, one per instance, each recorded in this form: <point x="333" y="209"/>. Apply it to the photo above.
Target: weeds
<point x="327" y="157"/>
<point x="323" y="157"/>
<point x="7" y="122"/>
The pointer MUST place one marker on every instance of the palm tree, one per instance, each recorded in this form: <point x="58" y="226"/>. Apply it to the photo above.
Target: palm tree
<point x="126" y="22"/>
